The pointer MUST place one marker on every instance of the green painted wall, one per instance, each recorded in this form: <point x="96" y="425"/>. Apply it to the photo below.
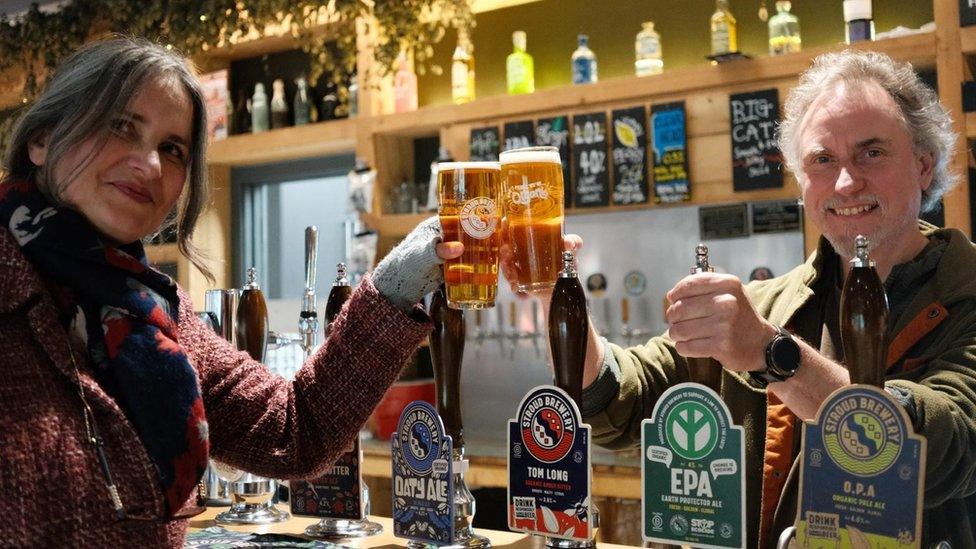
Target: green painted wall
<point x="552" y="26"/>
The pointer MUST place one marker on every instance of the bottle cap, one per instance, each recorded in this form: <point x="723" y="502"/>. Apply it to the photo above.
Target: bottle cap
<point x="856" y="9"/>
<point x="569" y="267"/>
<point x="518" y="39"/>
<point x="341" y="279"/>
<point x="582" y="39"/>
<point x="701" y="260"/>
<point x="861" y="254"/>
<point x="252" y="279"/>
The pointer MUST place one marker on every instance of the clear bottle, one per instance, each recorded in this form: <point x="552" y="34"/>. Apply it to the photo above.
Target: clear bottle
<point x="404" y="86"/>
<point x="858" y="16"/>
<point x="279" y="108"/>
<point x="462" y="69"/>
<point x="784" y="30"/>
<point x="519" y="67"/>
<point x="584" y="62"/>
<point x="724" y="38"/>
<point x="259" y="110"/>
<point x="353" y="96"/>
<point x="302" y="105"/>
<point x="647" y="46"/>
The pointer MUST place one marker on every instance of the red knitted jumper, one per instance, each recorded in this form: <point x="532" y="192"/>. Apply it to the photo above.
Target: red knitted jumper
<point x="52" y="490"/>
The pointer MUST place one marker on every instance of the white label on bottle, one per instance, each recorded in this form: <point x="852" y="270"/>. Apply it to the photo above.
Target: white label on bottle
<point x="479" y="217"/>
<point x="720" y="40"/>
<point x="459" y="78"/>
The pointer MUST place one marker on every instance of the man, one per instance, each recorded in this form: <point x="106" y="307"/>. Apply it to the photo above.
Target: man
<point x="870" y="145"/>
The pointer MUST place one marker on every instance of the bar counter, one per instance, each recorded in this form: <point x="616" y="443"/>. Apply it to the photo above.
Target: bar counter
<point x="295" y="526"/>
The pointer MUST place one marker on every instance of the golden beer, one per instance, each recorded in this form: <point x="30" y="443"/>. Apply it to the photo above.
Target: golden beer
<point x="470" y="212"/>
<point x="532" y="183"/>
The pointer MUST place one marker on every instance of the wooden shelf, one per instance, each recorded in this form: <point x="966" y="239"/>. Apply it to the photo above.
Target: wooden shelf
<point x="919" y="49"/>
<point x="319" y="139"/>
<point x="967" y="36"/>
<point x="971" y="125"/>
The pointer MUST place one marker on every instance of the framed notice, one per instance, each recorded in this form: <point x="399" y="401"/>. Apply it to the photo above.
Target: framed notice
<point x="776" y="216"/>
<point x="756" y="159"/>
<point x="629" y="155"/>
<point x="554" y="132"/>
<point x="591" y="176"/>
<point x="731" y="221"/>
<point x="670" y="147"/>
<point x="216" y="95"/>
<point x="484" y="144"/>
<point x="518" y="134"/>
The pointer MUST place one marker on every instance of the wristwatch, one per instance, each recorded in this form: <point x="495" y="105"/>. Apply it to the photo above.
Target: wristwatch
<point x="782" y="359"/>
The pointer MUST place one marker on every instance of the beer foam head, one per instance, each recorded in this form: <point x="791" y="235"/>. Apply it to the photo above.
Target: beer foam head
<point x="446" y="166"/>
<point x="538" y="156"/>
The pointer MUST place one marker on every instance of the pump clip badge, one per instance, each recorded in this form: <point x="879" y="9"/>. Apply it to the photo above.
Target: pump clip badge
<point x="549" y="467"/>
<point x="862" y="475"/>
<point x="423" y="483"/>
<point x="336" y="494"/>
<point x="691" y="471"/>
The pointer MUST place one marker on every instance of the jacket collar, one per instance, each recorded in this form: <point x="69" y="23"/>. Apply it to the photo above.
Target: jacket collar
<point x="19" y="281"/>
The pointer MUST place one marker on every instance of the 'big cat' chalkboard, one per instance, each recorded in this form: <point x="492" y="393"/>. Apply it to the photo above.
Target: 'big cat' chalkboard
<point x="591" y="179"/>
<point x="554" y="132"/>
<point x="756" y="159"/>
<point x="629" y="153"/>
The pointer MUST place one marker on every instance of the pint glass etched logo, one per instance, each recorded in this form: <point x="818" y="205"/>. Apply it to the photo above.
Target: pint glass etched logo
<point x="479" y="217"/>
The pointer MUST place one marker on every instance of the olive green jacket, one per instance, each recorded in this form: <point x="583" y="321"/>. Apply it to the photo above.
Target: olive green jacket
<point x="937" y="383"/>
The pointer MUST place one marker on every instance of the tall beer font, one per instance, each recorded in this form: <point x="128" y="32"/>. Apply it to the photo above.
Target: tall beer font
<point x="864" y="319"/>
<point x="340" y="497"/>
<point x="862" y="473"/>
<point x="470" y="208"/>
<point x="308" y="320"/>
<point x="446" y="354"/>
<point x="251" y="495"/>
<point x="705" y="371"/>
<point x="532" y="187"/>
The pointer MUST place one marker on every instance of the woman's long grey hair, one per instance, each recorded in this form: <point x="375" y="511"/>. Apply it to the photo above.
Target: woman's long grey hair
<point x="89" y="90"/>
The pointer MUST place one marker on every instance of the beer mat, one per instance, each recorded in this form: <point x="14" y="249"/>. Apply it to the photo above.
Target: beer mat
<point x="217" y="537"/>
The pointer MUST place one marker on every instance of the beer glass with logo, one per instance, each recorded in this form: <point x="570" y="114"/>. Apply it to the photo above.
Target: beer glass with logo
<point x="532" y="183"/>
<point x="470" y="212"/>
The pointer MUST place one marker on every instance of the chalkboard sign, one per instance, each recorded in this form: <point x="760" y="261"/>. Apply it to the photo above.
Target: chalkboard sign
<point x="484" y="144"/>
<point x="591" y="178"/>
<point x="518" y="135"/>
<point x="775" y="216"/>
<point x="967" y="13"/>
<point x="629" y="153"/>
<point x="670" y="146"/>
<point x="554" y="132"/>
<point x="723" y="222"/>
<point x="756" y="160"/>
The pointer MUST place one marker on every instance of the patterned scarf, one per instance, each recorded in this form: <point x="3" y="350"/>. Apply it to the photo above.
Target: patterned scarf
<point x="127" y="314"/>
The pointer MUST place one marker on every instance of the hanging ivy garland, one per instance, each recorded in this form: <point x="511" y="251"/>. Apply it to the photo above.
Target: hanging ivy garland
<point x="37" y="40"/>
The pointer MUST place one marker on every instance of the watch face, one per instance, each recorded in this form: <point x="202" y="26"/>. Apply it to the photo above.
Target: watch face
<point x="785" y="355"/>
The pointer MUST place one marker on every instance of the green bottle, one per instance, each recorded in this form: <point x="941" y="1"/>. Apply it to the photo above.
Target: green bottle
<point x="519" y="68"/>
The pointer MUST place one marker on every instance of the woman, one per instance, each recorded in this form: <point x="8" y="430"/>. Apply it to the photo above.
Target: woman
<point x="112" y="393"/>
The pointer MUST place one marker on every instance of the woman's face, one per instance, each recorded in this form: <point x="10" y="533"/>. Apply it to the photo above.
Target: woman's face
<point x="128" y="186"/>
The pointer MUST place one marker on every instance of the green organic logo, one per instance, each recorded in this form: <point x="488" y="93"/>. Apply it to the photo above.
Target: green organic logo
<point x="692" y="430"/>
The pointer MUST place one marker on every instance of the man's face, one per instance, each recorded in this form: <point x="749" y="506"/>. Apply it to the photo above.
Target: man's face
<point x="859" y="171"/>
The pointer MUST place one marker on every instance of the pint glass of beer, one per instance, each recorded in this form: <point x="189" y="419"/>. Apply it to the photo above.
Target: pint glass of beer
<point x="470" y="211"/>
<point x="532" y="183"/>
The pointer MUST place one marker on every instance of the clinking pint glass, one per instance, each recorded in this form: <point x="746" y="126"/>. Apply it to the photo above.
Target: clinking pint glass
<point x="470" y="211"/>
<point x="532" y="183"/>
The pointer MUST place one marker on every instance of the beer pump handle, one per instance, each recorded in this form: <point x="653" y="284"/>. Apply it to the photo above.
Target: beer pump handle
<point x="568" y="327"/>
<point x="251" y="324"/>
<point x="706" y="371"/>
<point x="308" y="323"/>
<point x="864" y="319"/>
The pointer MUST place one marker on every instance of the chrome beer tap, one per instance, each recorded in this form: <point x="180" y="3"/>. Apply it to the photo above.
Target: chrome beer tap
<point x="308" y="321"/>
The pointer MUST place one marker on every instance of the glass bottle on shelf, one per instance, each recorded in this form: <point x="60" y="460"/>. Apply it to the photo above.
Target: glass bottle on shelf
<point x="784" y="30"/>
<point x="462" y="69"/>
<point x="329" y="103"/>
<point x="353" y="96"/>
<point x="242" y="113"/>
<point x="302" y="105"/>
<point x="519" y="67"/>
<point x="404" y="86"/>
<point x="279" y="108"/>
<point x="858" y="16"/>
<point x="259" y="110"/>
<point x="724" y="38"/>
<point x="584" y="62"/>
<point x="647" y="45"/>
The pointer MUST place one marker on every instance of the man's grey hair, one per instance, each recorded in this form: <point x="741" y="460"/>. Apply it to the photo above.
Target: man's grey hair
<point x="924" y="117"/>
